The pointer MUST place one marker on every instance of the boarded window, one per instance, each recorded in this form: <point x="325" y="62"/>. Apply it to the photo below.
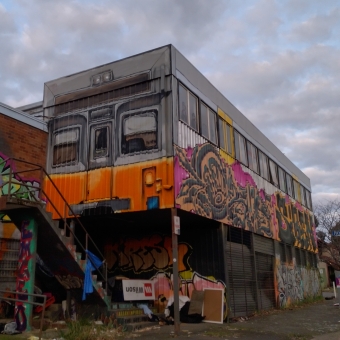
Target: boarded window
<point x="208" y="123"/>
<point x="240" y="148"/>
<point x="225" y="136"/>
<point x="263" y="165"/>
<point x="290" y="189"/>
<point x="296" y="189"/>
<point x="282" y="179"/>
<point x="273" y="173"/>
<point x="188" y="107"/>
<point x="252" y="157"/>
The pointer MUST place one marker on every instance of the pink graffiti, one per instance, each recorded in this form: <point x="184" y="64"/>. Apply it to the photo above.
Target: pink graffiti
<point x="241" y="177"/>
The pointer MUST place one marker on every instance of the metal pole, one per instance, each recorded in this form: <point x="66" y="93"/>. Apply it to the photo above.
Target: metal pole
<point x="175" y="272"/>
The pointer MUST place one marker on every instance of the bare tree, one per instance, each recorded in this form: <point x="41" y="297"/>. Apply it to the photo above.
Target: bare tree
<point x="327" y="220"/>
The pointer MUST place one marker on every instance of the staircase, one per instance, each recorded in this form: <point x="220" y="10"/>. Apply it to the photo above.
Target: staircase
<point x="21" y="199"/>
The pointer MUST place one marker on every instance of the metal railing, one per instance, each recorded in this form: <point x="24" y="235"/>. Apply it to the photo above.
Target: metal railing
<point x="42" y="304"/>
<point x="12" y="184"/>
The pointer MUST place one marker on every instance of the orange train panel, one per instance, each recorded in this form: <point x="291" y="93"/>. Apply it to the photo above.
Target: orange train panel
<point x="71" y="186"/>
<point x="99" y="184"/>
<point x="136" y="182"/>
<point x="142" y="180"/>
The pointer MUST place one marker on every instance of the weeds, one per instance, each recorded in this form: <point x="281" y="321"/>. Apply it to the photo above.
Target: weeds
<point x="87" y="330"/>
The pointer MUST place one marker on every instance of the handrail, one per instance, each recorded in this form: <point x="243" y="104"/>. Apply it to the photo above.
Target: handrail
<point x="42" y="194"/>
<point x="43" y="304"/>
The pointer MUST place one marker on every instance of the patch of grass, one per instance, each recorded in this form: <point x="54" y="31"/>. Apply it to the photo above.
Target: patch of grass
<point x="86" y="330"/>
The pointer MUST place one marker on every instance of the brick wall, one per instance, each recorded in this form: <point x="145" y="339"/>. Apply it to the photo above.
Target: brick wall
<point x="22" y="141"/>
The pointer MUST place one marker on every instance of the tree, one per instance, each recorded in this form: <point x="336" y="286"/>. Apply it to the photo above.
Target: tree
<point x="327" y="221"/>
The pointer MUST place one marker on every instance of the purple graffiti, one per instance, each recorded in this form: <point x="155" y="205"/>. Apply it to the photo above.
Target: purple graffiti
<point x="23" y="276"/>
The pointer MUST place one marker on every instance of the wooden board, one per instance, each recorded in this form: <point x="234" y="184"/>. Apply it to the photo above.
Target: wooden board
<point x="213" y="305"/>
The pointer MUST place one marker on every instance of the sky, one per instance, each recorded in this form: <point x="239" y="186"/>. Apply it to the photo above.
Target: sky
<point x="278" y="61"/>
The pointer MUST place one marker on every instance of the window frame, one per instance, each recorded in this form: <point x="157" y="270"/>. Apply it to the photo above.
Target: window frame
<point x="209" y="113"/>
<point x="227" y="136"/>
<point x="283" y="179"/>
<point x="266" y="158"/>
<point x="66" y="143"/>
<point x="250" y="146"/>
<point x="237" y="138"/>
<point x="188" y="106"/>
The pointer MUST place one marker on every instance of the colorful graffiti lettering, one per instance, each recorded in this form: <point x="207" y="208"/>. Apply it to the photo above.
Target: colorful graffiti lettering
<point x="207" y="186"/>
<point x="23" y="276"/>
<point x="21" y="188"/>
<point x="146" y="254"/>
<point x="294" y="283"/>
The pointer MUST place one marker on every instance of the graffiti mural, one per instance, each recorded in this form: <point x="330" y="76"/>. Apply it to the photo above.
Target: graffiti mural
<point x="206" y="185"/>
<point x="21" y="187"/>
<point x="295" y="283"/>
<point x="147" y="254"/>
<point x="151" y="257"/>
<point x="24" y="276"/>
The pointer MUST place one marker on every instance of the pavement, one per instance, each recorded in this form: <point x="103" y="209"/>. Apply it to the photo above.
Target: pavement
<point x="319" y="320"/>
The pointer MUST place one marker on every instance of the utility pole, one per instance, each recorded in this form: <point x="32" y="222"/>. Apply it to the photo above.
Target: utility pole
<point x="175" y="231"/>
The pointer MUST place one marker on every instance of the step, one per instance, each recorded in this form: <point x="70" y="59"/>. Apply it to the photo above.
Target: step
<point x="121" y="313"/>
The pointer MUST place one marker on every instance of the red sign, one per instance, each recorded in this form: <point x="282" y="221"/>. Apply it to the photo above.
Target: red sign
<point x="148" y="289"/>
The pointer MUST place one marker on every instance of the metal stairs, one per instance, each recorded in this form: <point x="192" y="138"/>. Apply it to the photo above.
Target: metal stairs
<point x="21" y="200"/>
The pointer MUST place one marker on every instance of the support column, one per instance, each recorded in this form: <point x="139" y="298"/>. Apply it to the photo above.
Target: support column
<point x="175" y="271"/>
<point x="26" y="274"/>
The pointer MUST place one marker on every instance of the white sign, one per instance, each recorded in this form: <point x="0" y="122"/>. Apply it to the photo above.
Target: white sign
<point x="138" y="290"/>
<point x="177" y="225"/>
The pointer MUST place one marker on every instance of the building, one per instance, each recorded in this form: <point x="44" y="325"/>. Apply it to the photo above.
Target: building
<point x="133" y="143"/>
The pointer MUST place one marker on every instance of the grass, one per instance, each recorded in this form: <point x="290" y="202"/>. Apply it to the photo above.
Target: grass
<point x="87" y="330"/>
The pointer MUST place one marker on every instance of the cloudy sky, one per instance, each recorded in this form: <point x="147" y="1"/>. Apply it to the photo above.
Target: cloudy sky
<point x="277" y="61"/>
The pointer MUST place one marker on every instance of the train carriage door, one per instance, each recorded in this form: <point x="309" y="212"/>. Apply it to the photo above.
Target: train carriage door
<point x="100" y="154"/>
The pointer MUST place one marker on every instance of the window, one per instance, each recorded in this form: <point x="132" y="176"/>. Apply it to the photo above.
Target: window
<point x="290" y="189"/>
<point x="263" y="165"/>
<point x="100" y="142"/>
<point x="308" y="199"/>
<point x="273" y="173"/>
<point x="240" y="148"/>
<point x="282" y="179"/>
<point x="303" y="195"/>
<point x="208" y="123"/>
<point x="296" y="189"/>
<point x="139" y="132"/>
<point x="225" y="134"/>
<point x="188" y="104"/>
<point x="65" y="150"/>
<point x="252" y="157"/>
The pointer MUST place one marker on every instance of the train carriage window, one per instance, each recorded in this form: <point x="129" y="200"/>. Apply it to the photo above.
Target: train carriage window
<point x="252" y="157"/>
<point x="188" y="107"/>
<point x="282" y="179"/>
<point x="65" y="149"/>
<point x="263" y="165"/>
<point x="240" y="148"/>
<point x="100" y="142"/>
<point x="208" y="123"/>
<point x="139" y="132"/>
<point x="273" y="173"/>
